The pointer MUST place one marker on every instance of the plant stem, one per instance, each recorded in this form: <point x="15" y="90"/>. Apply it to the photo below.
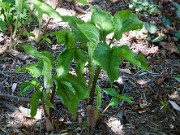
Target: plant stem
<point x="52" y="100"/>
<point x="16" y="26"/>
<point x="98" y="69"/>
<point x="24" y="25"/>
<point x="91" y="76"/>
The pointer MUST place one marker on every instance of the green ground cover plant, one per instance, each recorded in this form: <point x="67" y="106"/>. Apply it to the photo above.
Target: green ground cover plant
<point x="94" y="49"/>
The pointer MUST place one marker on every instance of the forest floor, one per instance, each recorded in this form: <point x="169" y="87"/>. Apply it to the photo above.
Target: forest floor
<point x="155" y="92"/>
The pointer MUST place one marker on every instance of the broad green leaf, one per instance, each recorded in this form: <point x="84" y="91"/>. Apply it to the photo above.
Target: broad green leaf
<point x="125" y="21"/>
<point x="48" y="55"/>
<point x="137" y="60"/>
<point x="105" y="57"/>
<point x="43" y="7"/>
<point x="31" y="50"/>
<point x="28" y="85"/>
<point x="143" y="61"/>
<point x="90" y="31"/>
<point x="64" y="61"/>
<point x="158" y="39"/>
<point x="34" y="102"/>
<point x="177" y="78"/>
<point x="47" y="73"/>
<point x="71" y="90"/>
<point x="114" y="101"/>
<point x="3" y="25"/>
<point x="111" y="92"/>
<point x="65" y="37"/>
<point x="67" y="97"/>
<point x="80" y="58"/>
<point x="82" y="91"/>
<point x="34" y="69"/>
<point x="166" y="21"/>
<point x="83" y="2"/>
<point x="103" y="20"/>
<point x="149" y="28"/>
<point x="126" y="98"/>
<point x="19" y="6"/>
<point x="46" y="59"/>
<point x="73" y="21"/>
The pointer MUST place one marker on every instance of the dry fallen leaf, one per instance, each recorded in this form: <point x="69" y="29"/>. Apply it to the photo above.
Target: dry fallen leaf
<point x="92" y="116"/>
<point x="172" y="47"/>
<point x="160" y="81"/>
<point x="26" y="112"/>
<point x="126" y="71"/>
<point x="14" y="86"/>
<point x="174" y="105"/>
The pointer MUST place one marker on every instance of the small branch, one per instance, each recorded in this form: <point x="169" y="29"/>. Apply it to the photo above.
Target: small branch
<point x="94" y="86"/>
<point x="52" y="100"/>
<point x="12" y="97"/>
<point x="24" y="25"/>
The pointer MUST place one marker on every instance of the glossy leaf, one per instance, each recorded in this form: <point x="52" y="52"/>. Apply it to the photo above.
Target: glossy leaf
<point x="34" y="69"/>
<point x="105" y="57"/>
<point x="90" y="31"/>
<point x="125" y="21"/>
<point x="81" y="59"/>
<point x="34" y="102"/>
<point x="114" y="101"/>
<point x="72" y="22"/>
<point x="43" y="7"/>
<point x="137" y="60"/>
<point x="29" y="85"/>
<point x="47" y="63"/>
<point x="158" y="39"/>
<point x="126" y="98"/>
<point x="149" y="28"/>
<point x="71" y="90"/>
<point x="64" y="61"/>
<point x="103" y="20"/>
<point x="111" y="92"/>
<point x="83" y="2"/>
<point x="177" y="78"/>
<point x="19" y="6"/>
<point x="65" y="37"/>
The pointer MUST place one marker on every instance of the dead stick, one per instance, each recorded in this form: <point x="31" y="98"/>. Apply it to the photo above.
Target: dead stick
<point x="12" y="97"/>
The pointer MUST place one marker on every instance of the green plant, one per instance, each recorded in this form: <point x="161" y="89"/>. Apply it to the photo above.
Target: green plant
<point x="144" y="5"/>
<point x="94" y="49"/>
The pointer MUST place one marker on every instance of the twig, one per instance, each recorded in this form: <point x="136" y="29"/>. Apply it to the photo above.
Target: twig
<point x="12" y="97"/>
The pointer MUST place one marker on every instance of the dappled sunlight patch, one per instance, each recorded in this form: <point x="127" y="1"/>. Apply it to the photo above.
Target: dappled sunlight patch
<point x="115" y="125"/>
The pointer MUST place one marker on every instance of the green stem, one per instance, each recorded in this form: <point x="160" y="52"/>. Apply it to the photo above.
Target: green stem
<point x="52" y="100"/>
<point x="98" y="69"/>
<point x="91" y="77"/>
<point x="24" y="25"/>
<point x="16" y="26"/>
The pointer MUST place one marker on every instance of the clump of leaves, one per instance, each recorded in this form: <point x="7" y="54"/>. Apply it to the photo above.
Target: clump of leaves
<point x="146" y="6"/>
<point x="94" y="50"/>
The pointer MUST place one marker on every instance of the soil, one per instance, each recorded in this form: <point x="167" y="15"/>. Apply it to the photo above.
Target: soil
<point x="154" y="92"/>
